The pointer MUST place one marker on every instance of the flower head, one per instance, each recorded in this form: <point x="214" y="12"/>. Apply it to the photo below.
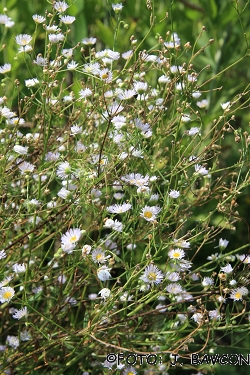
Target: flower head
<point x="103" y="273"/>
<point x="119" y="208"/>
<point x="70" y="239"/>
<point x="5" y="68"/>
<point x="98" y="256"/>
<point x="174" y="194"/>
<point x="23" y="39"/>
<point x="105" y="293"/>
<point x="223" y="244"/>
<point x="60" y="6"/>
<point x="117" y="8"/>
<point x="176" y="254"/>
<point x="89" y="41"/>
<point x="20" y="313"/>
<point x="38" y="19"/>
<point x="238" y="293"/>
<point x="19" y="268"/>
<point x="227" y="269"/>
<point x="6" y="293"/>
<point x="152" y="275"/>
<point x="67" y="20"/>
<point x="149" y="213"/>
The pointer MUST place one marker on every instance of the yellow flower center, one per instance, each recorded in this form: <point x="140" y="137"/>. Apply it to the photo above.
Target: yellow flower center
<point x="152" y="276"/>
<point x="148" y="214"/>
<point x="176" y="255"/>
<point x="73" y="238"/>
<point x="238" y="295"/>
<point x="99" y="256"/>
<point x="105" y="76"/>
<point x="7" y="295"/>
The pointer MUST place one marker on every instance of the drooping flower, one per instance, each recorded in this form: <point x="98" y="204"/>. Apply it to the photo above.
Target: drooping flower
<point x="103" y="273"/>
<point x="12" y="341"/>
<point x="20" y="313"/>
<point x="223" y="243"/>
<point x="105" y="293"/>
<point x="19" y="268"/>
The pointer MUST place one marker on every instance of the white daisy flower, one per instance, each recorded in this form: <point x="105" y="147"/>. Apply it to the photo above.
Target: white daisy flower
<point x="23" y="39"/>
<point x="55" y="38"/>
<point x="193" y="131"/>
<point x="31" y="82"/>
<point x="238" y="293"/>
<point x="174" y="288"/>
<point x="174" y="194"/>
<point x="85" y="93"/>
<point x="214" y="314"/>
<point x="72" y="65"/>
<point x="207" y="281"/>
<point x="38" y="19"/>
<point x="176" y="254"/>
<point x="136" y="179"/>
<point x="98" y="256"/>
<point x="89" y="41"/>
<point x="68" y="20"/>
<point x="149" y="213"/>
<point x="60" y="6"/>
<point x="152" y="275"/>
<point x="19" y="268"/>
<point x="105" y="293"/>
<point x="225" y="105"/>
<point x="21" y="149"/>
<point x="6" y="293"/>
<point x="119" y="208"/>
<point x="203" y="103"/>
<point x="64" y="170"/>
<point x="5" y="68"/>
<point x="227" y="269"/>
<point x="70" y="239"/>
<point x="197" y="317"/>
<point x="12" y="341"/>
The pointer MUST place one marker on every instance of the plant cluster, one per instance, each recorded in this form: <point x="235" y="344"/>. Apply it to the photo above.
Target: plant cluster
<point x="113" y="186"/>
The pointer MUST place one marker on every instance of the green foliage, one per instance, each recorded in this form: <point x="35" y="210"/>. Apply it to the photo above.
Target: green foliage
<point x="118" y="184"/>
